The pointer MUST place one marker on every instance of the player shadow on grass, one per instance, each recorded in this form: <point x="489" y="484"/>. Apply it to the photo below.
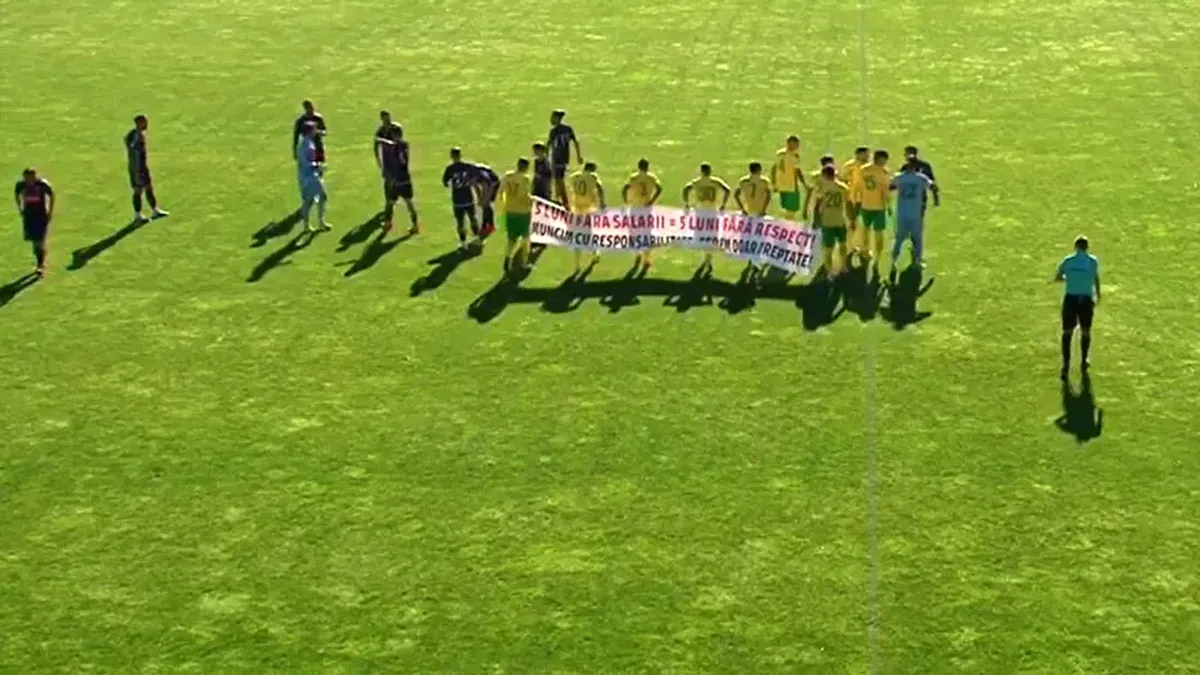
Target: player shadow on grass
<point x="361" y="233"/>
<point x="80" y="257"/>
<point x="275" y="228"/>
<point x="9" y="291"/>
<point x="862" y="292"/>
<point x="817" y="301"/>
<point x="280" y="256"/>
<point x="375" y="250"/>
<point x="443" y="266"/>
<point x="903" y="293"/>
<point x="1080" y="417"/>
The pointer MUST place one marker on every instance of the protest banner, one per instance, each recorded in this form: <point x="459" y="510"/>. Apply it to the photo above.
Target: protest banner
<point x="779" y="243"/>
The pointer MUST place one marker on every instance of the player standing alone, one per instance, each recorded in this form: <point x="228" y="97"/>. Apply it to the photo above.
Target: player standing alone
<point x="35" y="203"/>
<point x="910" y="212"/>
<point x="560" y="140"/>
<point x="139" y="171"/>
<point x="459" y="176"/>
<point x="391" y="154"/>
<point x="1081" y="272"/>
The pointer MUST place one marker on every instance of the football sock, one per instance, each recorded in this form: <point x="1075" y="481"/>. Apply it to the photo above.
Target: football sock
<point x="1085" y="345"/>
<point x="1066" y="349"/>
<point x="878" y="244"/>
<point x="150" y="198"/>
<point x="388" y="210"/>
<point x="321" y="210"/>
<point x="462" y="234"/>
<point x="412" y="213"/>
<point x="137" y="202"/>
<point x="40" y="254"/>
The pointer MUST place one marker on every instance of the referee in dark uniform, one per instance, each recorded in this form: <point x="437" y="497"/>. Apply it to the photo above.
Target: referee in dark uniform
<point x="35" y="203"/>
<point x="1080" y="272"/>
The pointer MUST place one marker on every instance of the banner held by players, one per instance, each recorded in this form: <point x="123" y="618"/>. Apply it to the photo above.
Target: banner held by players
<point x="779" y="243"/>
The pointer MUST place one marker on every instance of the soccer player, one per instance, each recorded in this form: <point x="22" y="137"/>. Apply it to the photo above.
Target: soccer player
<point x="310" y="114"/>
<point x="459" y="176"/>
<point x="833" y="210"/>
<point x="787" y="177"/>
<point x="753" y="193"/>
<point x="851" y="175"/>
<point x="1081" y="272"/>
<point x="560" y="140"/>
<point x="312" y="186"/>
<point x="912" y="154"/>
<point x="543" y="175"/>
<point x="487" y="186"/>
<point x="139" y="171"/>
<point x="911" y="186"/>
<point x="706" y="186"/>
<point x="826" y="160"/>
<point x="587" y="194"/>
<point x="642" y="190"/>
<point x="391" y="154"/>
<point x="874" y="201"/>
<point x="515" y="198"/>
<point x="35" y="203"/>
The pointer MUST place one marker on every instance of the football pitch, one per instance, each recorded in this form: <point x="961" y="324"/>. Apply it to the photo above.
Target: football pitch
<point x="225" y="451"/>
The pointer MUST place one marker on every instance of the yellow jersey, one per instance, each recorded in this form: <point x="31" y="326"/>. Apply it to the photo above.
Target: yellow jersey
<point x="585" y="192"/>
<point x="785" y="175"/>
<point x="514" y="192"/>
<point x="851" y="175"/>
<point x="832" y="196"/>
<point x="641" y="188"/>
<point x="704" y="190"/>
<point x="873" y="192"/>
<point x="755" y="192"/>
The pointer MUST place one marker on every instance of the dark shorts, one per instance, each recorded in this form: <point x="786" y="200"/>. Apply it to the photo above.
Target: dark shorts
<point x="140" y="178"/>
<point x="559" y="170"/>
<point x="35" y="226"/>
<point x="462" y="211"/>
<point x="395" y="187"/>
<point x="1078" y="310"/>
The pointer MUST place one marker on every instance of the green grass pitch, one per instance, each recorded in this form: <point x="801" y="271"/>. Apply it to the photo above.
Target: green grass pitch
<point x="222" y="457"/>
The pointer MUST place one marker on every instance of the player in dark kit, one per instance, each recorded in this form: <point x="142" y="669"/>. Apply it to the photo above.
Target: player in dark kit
<point x="139" y="170"/>
<point x="560" y="140"/>
<point x="543" y="175"/>
<point x="35" y="203"/>
<point x="460" y="177"/>
<point x="391" y="154"/>
<point x="487" y="186"/>
<point x="310" y="114"/>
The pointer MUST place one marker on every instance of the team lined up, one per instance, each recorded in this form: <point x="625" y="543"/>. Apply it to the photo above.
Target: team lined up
<point x="850" y="206"/>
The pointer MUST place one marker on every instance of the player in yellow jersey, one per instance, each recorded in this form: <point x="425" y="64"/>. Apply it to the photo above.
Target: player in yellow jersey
<point x="875" y="202"/>
<point x="586" y="196"/>
<point x="826" y="160"/>
<point x="753" y="197"/>
<point x="753" y="193"/>
<point x="787" y="177"/>
<point x="834" y="211"/>
<point x="850" y="173"/>
<point x="642" y="191"/>
<point x="705" y="187"/>
<point x="517" y="203"/>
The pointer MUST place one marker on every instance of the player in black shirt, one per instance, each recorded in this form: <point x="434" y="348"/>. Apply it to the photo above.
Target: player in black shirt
<point x="560" y="140"/>
<point x="310" y="114"/>
<point x="487" y="187"/>
<point x="460" y="177"/>
<point x="139" y="170"/>
<point x="543" y="175"/>
<point x="391" y="154"/>
<point x="35" y="203"/>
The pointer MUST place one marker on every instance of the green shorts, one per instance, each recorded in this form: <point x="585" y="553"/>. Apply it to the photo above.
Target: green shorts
<point x="832" y="235"/>
<point x="876" y="220"/>
<point x="789" y="201"/>
<point x="516" y="225"/>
